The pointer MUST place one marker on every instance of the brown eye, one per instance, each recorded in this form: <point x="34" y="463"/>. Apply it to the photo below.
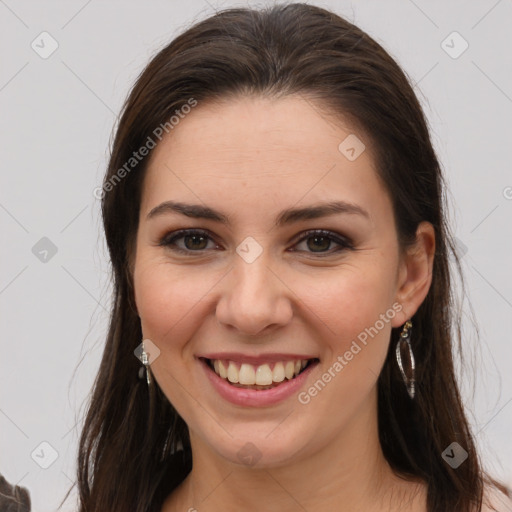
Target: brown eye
<point x="193" y="241"/>
<point x="196" y="241"/>
<point x="319" y="242"/>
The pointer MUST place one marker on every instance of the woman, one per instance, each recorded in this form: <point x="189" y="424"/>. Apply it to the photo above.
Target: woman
<point x="274" y="212"/>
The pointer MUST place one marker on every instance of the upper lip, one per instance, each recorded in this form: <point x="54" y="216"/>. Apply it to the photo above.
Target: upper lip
<point x="259" y="359"/>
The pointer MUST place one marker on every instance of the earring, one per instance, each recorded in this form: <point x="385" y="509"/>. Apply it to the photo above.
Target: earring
<point x="145" y="361"/>
<point x="405" y="337"/>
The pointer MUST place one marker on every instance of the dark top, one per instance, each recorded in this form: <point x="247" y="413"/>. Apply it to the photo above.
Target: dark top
<point x="13" y="498"/>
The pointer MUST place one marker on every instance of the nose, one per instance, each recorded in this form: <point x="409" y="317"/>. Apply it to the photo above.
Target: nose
<point x="254" y="299"/>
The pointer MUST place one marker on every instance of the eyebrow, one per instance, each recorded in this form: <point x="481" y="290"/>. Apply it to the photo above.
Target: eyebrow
<point x="288" y="216"/>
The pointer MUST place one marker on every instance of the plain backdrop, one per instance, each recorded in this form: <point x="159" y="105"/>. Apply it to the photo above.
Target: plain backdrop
<point x="57" y="114"/>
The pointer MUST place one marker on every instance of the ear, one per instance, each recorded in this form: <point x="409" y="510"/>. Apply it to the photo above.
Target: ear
<point x="415" y="273"/>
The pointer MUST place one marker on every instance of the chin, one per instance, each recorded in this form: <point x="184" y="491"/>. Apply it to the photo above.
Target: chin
<point x="257" y="451"/>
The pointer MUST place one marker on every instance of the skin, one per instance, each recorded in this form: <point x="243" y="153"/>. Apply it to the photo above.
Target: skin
<point x="251" y="158"/>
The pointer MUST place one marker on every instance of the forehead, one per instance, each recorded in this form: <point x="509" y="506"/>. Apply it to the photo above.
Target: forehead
<point x="263" y="151"/>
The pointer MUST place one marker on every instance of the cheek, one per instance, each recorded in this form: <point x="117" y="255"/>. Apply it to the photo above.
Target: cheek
<point x="358" y="313"/>
<point x="355" y="309"/>
<point x="169" y="299"/>
<point x="349" y="300"/>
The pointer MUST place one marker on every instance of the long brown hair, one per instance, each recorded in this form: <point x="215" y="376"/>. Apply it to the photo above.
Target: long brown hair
<point x="134" y="448"/>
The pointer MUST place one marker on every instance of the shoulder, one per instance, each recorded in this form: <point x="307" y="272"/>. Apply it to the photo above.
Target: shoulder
<point x="496" y="501"/>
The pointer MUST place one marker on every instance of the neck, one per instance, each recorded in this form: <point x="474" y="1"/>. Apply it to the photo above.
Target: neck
<point x="348" y="474"/>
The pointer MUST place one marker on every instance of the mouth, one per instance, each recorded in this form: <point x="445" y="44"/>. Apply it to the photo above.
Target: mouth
<point x="258" y="377"/>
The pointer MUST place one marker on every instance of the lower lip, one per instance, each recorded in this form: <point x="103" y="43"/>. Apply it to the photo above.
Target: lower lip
<point x="255" y="397"/>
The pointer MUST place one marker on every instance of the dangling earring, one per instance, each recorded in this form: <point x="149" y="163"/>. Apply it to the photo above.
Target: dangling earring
<point x="145" y="361"/>
<point x="405" y="337"/>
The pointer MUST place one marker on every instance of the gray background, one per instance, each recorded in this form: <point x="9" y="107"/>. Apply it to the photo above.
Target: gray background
<point x="57" y="114"/>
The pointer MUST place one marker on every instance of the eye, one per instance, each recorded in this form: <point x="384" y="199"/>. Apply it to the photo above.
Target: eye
<point x="322" y="240"/>
<point x="318" y="241"/>
<point x="195" y="240"/>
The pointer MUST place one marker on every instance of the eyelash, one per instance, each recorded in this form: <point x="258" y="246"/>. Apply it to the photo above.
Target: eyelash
<point x="168" y="241"/>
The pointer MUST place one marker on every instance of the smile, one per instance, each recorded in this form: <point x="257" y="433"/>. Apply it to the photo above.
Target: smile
<point x="264" y="376"/>
<point x="290" y="377"/>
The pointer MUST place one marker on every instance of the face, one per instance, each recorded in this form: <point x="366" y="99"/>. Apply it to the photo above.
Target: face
<point x="260" y="288"/>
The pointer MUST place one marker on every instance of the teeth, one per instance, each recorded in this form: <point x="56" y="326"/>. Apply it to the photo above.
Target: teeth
<point x="222" y="370"/>
<point x="278" y="372"/>
<point x="232" y="372"/>
<point x="246" y="375"/>
<point x="289" y="369"/>
<point x="262" y="375"/>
